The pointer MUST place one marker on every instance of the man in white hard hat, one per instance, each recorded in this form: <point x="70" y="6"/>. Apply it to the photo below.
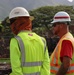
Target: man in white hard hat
<point x="30" y="57"/>
<point x="62" y="60"/>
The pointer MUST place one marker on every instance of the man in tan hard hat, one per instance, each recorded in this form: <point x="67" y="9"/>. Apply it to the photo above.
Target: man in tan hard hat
<point x="62" y="59"/>
<point x="28" y="51"/>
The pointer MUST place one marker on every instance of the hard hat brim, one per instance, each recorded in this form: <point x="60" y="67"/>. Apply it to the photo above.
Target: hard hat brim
<point x="61" y="21"/>
<point x="31" y="18"/>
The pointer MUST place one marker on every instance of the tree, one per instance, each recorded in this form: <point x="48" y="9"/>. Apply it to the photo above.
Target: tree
<point x="42" y="18"/>
<point x="44" y="15"/>
<point x="6" y="27"/>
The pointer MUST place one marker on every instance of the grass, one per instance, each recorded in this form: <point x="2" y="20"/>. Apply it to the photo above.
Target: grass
<point x="2" y="60"/>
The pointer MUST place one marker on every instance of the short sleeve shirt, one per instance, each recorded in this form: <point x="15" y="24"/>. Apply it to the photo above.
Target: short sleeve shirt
<point x="66" y="49"/>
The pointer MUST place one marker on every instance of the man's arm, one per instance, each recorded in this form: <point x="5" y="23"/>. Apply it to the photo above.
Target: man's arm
<point x="64" y="66"/>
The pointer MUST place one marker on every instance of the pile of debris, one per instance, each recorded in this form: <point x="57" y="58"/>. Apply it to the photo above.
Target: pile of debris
<point x="5" y="68"/>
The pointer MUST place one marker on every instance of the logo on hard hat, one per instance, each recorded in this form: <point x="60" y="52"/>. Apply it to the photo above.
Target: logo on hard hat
<point x="17" y="12"/>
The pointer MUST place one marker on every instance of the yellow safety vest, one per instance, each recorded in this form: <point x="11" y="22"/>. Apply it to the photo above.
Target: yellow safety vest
<point x="55" y="57"/>
<point x="31" y="56"/>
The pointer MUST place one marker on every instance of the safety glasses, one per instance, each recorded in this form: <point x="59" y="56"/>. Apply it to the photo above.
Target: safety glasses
<point x="55" y="24"/>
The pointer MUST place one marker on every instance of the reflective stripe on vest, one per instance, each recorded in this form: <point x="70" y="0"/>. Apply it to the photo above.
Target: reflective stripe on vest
<point x="28" y="64"/>
<point x="55" y="60"/>
<point x="54" y="69"/>
<point x="44" y="45"/>
<point x="21" y="49"/>
<point x="36" y="73"/>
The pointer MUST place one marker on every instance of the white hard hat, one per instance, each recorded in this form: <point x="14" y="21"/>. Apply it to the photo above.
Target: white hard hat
<point x="18" y="12"/>
<point x="61" y="17"/>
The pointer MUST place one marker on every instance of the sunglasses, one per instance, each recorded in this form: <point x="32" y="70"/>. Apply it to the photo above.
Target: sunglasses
<point x="55" y="24"/>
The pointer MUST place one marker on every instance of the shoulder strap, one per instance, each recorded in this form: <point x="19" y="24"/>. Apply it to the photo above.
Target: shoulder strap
<point x="44" y="45"/>
<point x="22" y="49"/>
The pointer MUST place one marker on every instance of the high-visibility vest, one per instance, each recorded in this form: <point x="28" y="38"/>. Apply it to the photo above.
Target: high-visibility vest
<point x="32" y="66"/>
<point x="55" y="57"/>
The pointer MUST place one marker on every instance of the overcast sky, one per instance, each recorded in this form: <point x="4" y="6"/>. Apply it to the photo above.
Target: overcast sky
<point x="7" y="5"/>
